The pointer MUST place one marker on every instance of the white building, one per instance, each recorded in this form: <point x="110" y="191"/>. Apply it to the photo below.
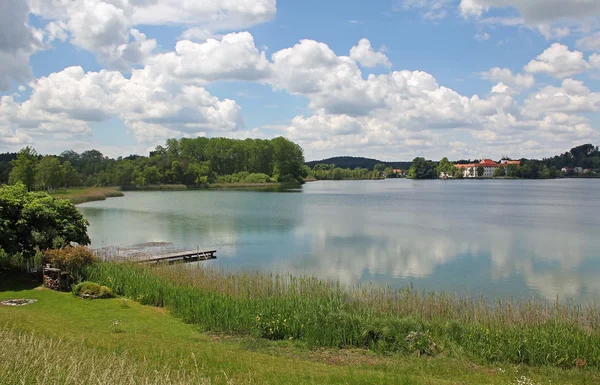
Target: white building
<point x="489" y="167"/>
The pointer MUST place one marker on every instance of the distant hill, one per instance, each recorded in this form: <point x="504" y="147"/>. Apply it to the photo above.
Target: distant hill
<point x="353" y="162"/>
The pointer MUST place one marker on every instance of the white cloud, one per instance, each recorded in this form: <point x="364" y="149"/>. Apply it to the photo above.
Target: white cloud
<point x="151" y="105"/>
<point x="482" y="36"/>
<point x="430" y="9"/>
<point x="505" y="76"/>
<point x="410" y="110"/>
<point x="18" y="40"/>
<point x="105" y="27"/>
<point x="571" y="97"/>
<point x="589" y="42"/>
<point x="233" y="57"/>
<point x="367" y="57"/>
<point x="553" y="18"/>
<point x="558" y="61"/>
<point x="217" y="15"/>
<point x="536" y="11"/>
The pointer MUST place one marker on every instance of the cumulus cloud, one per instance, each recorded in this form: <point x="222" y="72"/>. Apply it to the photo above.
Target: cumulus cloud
<point x="409" y="109"/>
<point x="106" y="27"/>
<point x="18" y="40"/>
<point x="558" y="61"/>
<point x="233" y="57"/>
<point x="507" y="81"/>
<point x="367" y="57"/>
<point x="152" y="106"/>
<point x="571" y="97"/>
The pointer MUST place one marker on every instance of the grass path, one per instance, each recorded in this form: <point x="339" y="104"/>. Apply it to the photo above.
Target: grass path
<point x="158" y="348"/>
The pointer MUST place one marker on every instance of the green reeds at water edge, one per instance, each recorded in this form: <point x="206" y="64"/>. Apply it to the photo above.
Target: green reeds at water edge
<point x="326" y="314"/>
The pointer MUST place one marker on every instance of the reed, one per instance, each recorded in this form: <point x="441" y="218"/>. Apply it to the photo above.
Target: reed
<point x="328" y="314"/>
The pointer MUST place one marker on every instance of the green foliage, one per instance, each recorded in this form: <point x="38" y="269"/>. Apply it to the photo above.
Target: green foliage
<point x="24" y="168"/>
<point x="74" y="259"/>
<point x="50" y="174"/>
<point x="447" y="168"/>
<point x="380" y="167"/>
<point x="480" y="170"/>
<point x="421" y="169"/>
<point x="327" y="172"/>
<point x="499" y="172"/>
<point x="512" y="170"/>
<point x="92" y="290"/>
<point x="33" y="221"/>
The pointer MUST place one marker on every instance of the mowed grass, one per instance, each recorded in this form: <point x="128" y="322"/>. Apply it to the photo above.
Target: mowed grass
<point x="82" y="195"/>
<point x="65" y="340"/>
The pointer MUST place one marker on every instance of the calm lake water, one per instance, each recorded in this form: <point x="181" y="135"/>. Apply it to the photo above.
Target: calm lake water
<point x="494" y="238"/>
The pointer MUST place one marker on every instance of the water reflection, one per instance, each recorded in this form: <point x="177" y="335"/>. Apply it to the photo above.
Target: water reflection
<point x="495" y="238"/>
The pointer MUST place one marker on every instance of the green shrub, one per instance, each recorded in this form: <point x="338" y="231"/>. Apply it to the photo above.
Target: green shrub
<point x="73" y="259"/>
<point x="257" y="178"/>
<point x="92" y="290"/>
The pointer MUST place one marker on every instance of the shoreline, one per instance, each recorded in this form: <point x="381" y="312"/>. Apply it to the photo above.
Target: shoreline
<point x="83" y="195"/>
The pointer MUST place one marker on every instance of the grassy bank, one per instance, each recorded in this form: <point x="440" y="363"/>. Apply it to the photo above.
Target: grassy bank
<point x="243" y="185"/>
<point x="82" y="195"/>
<point x="323" y="314"/>
<point x="64" y="340"/>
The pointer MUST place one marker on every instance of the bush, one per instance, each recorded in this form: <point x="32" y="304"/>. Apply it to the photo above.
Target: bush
<point x="73" y="259"/>
<point x="92" y="290"/>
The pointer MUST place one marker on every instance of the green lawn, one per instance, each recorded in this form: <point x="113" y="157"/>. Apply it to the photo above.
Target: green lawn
<point x="63" y="339"/>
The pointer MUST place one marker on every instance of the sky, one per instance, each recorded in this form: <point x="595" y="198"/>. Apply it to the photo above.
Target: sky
<point x="388" y="79"/>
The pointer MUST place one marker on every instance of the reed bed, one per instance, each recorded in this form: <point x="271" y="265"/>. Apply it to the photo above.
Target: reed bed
<point x="26" y="358"/>
<point x="327" y="314"/>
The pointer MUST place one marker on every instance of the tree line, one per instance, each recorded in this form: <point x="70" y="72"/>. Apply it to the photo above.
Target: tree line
<point x="191" y="162"/>
<point x="586" y="156"/>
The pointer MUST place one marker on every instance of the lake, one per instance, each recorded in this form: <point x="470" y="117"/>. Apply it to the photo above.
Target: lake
<point x="480" y="237"/>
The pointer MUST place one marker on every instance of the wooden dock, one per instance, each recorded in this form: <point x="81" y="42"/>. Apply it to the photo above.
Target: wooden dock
<point x="182" y="257"/>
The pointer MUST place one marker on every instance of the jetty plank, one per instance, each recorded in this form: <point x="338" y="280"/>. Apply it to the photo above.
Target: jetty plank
<point x="182" y="256"/>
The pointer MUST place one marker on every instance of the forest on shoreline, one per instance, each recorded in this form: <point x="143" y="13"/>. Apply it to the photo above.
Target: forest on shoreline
<point x="190" y="162"/>
<point x="200" y="162"/>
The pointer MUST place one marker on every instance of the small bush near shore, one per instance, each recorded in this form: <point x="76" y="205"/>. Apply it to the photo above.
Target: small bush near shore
<point x="326" y="314"/>
<point x="92" y="290"/>
<point x="73" y="259"/>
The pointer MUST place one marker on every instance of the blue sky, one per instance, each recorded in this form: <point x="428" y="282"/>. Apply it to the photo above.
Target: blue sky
<point x="391" y="79"/>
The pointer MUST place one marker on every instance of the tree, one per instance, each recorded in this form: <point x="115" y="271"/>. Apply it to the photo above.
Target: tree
<point x="446" y="168"/>
<point x="380" y="167"/>
<point x="152" y="175"/>
<point x="499" y="172"/>
<point x="32" y="221"/>
<point x="24" y="168"/>
<point x="288" y="160"/>
<point x="480" y="170"/>
<point x="512" y="170"/>
<point x="70" y="175"/>
<point x="421" y="169"/>
<point x="50" y="173"/>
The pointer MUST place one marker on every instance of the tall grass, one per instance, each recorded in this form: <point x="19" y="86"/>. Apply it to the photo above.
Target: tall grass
<point x="157" y="187"/>
<point x="322" y="313"/>
<point x="26" y="358"/>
